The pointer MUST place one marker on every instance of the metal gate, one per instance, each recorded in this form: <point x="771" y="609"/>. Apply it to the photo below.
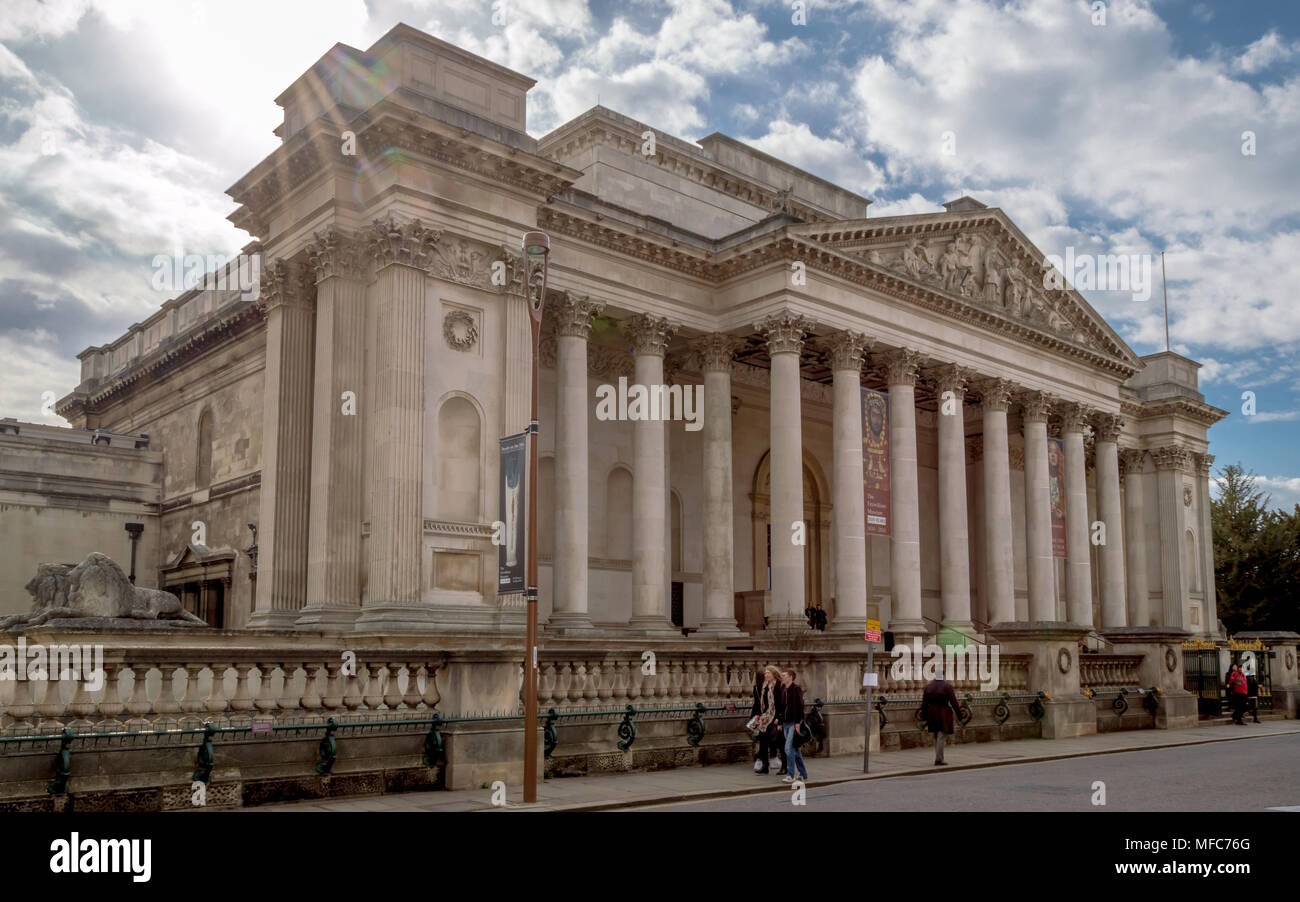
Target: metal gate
<point x="1201" y="677"/>
<point x="1261" y="660"/>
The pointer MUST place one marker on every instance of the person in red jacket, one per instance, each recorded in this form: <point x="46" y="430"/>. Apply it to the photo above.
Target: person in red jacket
<point x="1237" y="694"/>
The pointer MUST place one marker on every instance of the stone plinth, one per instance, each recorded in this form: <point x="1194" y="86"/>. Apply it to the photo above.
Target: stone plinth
<point x="1162" y="667"/>
<point x="1054" y="670"/>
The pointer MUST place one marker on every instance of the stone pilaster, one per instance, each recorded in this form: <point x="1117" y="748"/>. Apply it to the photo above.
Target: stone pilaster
<point x="715" y="352"/>
<point x="573" y="316"/>
<point x="1204" y="464"/>
<point x="845" y="352"/>
<point x="1114" y="608"/>
<point x="1171" y="463"/>
<point x="785" y="335"/>
<point x="1000" y="575"/>
<point x="954" y="540"/>
<point x="334" y="528"/>
<point x="1078" y="578"/>
<point x="1035" y="409"/>
<point x="649" y="335"/>
<point x="1135" y="536"/>
<point x="285" y="298"/>
<point x="395" y="544"/>
<point x="905" y="513"/>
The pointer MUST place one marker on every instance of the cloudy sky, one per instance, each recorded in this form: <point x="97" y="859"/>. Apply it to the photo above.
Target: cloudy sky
<point x="122" y="123"/>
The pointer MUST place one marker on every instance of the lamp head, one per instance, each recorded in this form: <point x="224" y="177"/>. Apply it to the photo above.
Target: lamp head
<point x="536" y="246"/>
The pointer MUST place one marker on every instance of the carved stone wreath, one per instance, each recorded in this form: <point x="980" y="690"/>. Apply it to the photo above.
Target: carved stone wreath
<point x="1290" y="660"/>
<point x="1063" y="659"/>
<point x="459" y="330"/>
<point x="1187" y="496"/>
<point x="1171" y="659"/>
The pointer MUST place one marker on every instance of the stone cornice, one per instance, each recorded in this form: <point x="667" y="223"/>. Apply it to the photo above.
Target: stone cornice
<point x="1180" y="408"/>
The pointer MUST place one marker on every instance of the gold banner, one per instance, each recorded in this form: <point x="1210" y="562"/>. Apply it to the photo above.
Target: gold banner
<point x="1246" y="644"/>
<point x="1196" y="644"/>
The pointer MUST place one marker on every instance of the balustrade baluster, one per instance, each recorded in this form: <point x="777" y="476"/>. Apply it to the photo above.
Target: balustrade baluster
<point x="191" y="703"/>
<point x="241" y="701"/>
<point x="216" y="702"/>
<point x="166" y="704"/>
<point x="264" y="702"/>
<point x="311" y="700"/>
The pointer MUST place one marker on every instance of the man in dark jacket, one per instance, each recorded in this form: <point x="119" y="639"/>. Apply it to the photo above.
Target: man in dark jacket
<point x="791" y="716"/>
<point x="938" y="705"/>
<point x="1252" y="695"/>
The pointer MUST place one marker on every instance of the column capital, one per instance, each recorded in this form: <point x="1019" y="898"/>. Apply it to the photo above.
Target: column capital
<point x="1074" y="416"/>
<point x="573" y="313"/>
<point x="1171" y="457"/>
<point x="715" y="350"/>
<point x="785" y="331"/>
<point x="1035" y="406"/>
<point x="951" y="377"/>
<point x="336" y="252"/>
<point x="390" y="241"/>
<point x="649" y="334"/>
<point x="1107" y="426"/>
<point x="284" y="283"/>
<point x="995" y="393"/>
<point x="1130" y="460"/>
<point x="1203" y="464"/>
<point x="903" y="365"/>
<point x="845" y="350"/>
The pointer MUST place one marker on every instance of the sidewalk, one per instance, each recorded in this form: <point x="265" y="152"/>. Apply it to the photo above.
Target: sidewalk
<point x="715" y="781"/>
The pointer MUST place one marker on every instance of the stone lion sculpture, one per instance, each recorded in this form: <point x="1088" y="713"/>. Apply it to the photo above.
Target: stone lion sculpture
<point x="96" y="587"/>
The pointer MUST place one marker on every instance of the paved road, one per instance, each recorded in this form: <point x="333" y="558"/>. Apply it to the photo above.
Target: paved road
<point x="1250" y="775"/>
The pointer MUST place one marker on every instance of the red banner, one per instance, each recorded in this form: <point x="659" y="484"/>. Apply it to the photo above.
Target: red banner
<point x="875" y="461"/>
<point x="1056" y="490"/>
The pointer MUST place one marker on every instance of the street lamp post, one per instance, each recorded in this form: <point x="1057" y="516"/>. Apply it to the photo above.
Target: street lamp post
<point x="537" y="248"/>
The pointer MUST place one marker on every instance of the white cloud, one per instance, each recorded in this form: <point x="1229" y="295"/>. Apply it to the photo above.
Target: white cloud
<point x="835" y="160"/>
<point x="1264" y="52"/>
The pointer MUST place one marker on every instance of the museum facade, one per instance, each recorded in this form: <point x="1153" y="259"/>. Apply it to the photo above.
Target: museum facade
<point x="321" y="453"/>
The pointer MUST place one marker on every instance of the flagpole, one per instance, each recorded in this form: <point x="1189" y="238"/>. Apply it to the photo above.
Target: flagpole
<point x="1165" y="283"/>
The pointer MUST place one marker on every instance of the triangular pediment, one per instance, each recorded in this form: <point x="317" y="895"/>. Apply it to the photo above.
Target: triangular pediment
<point x="979" y="257"/>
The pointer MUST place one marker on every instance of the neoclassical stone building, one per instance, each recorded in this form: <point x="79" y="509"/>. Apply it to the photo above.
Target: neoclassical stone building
<point x="351" y="411"/>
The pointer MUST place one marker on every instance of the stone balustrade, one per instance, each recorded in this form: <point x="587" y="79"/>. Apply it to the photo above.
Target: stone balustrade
<point x="1109" y="671"/>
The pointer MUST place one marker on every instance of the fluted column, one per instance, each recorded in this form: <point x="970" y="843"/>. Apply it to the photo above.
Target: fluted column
<point x="954" y="540"/>
<point x="1172" y="462"/>
<point x="394" y="547"/>
<point x="285" y="298"/>
<point x="785" y="333"/>
<point x="845" y="352"/>
<point x="719" y="529"/>
<point x="1114" y="608"/>
<point x="905" y="512"/>
<point x="1078" y="578"/>
<point x="1035" y="409"/>
<point x="569" y="590"/>
<point x="649" y="336"/>
<point x="1204" y="463"/>
<point x="334" y="528"/>
<point x="1135" y="536"/>
<point x="999" y="561"/>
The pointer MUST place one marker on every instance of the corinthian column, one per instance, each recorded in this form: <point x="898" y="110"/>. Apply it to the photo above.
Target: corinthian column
<point x="1035" y="409"/>
<point x="846" y="349"/>
<point x="572" y="328"/>
<point x="905" y="510"/>
<point x="1172" y="462"/>
<point x="394" y="547"/>
<point x="650" y="612"/>
<point x="1135" y="535"/>
<point x="1204" y="462"/>
<point x="719" y="530"/>
<point x="998" y="553"/>
<point x="785" y="333"/>
<point x="285" y="298"/>
<point x="334" y="526"/>
<point x="954" y="541"/>
<point x="1114" y="609"/>
<point x="1078" y="579"/>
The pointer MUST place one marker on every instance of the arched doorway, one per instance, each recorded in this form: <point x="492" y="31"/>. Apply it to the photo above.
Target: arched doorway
<point x="816" y="518"/>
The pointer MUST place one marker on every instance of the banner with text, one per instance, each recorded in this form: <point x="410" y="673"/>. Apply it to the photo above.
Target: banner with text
<point x="1056" y="487"/>
<point x="510" y="553"/>
<point x="875" y="461"/>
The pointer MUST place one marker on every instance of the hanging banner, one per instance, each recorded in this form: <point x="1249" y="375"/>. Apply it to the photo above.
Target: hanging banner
<point x="510" y="553"/>
<point x="875" y="461"/>
<point x="1056" y="488"/>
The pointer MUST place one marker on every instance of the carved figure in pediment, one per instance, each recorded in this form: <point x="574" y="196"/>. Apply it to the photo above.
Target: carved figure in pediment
<point x="917" y="261"/>
<point x="951" y="266"/>
<point x="1014" y="291"/>
<point x="461" y="262"/>
<point x="993" y="265"/>
<point x="968" y="284"/>
<point x="873" y="257"/>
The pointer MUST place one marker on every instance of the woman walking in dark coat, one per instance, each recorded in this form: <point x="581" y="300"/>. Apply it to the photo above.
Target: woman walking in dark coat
<point x="763" y="717"/>
<point x="938" y="705"/>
